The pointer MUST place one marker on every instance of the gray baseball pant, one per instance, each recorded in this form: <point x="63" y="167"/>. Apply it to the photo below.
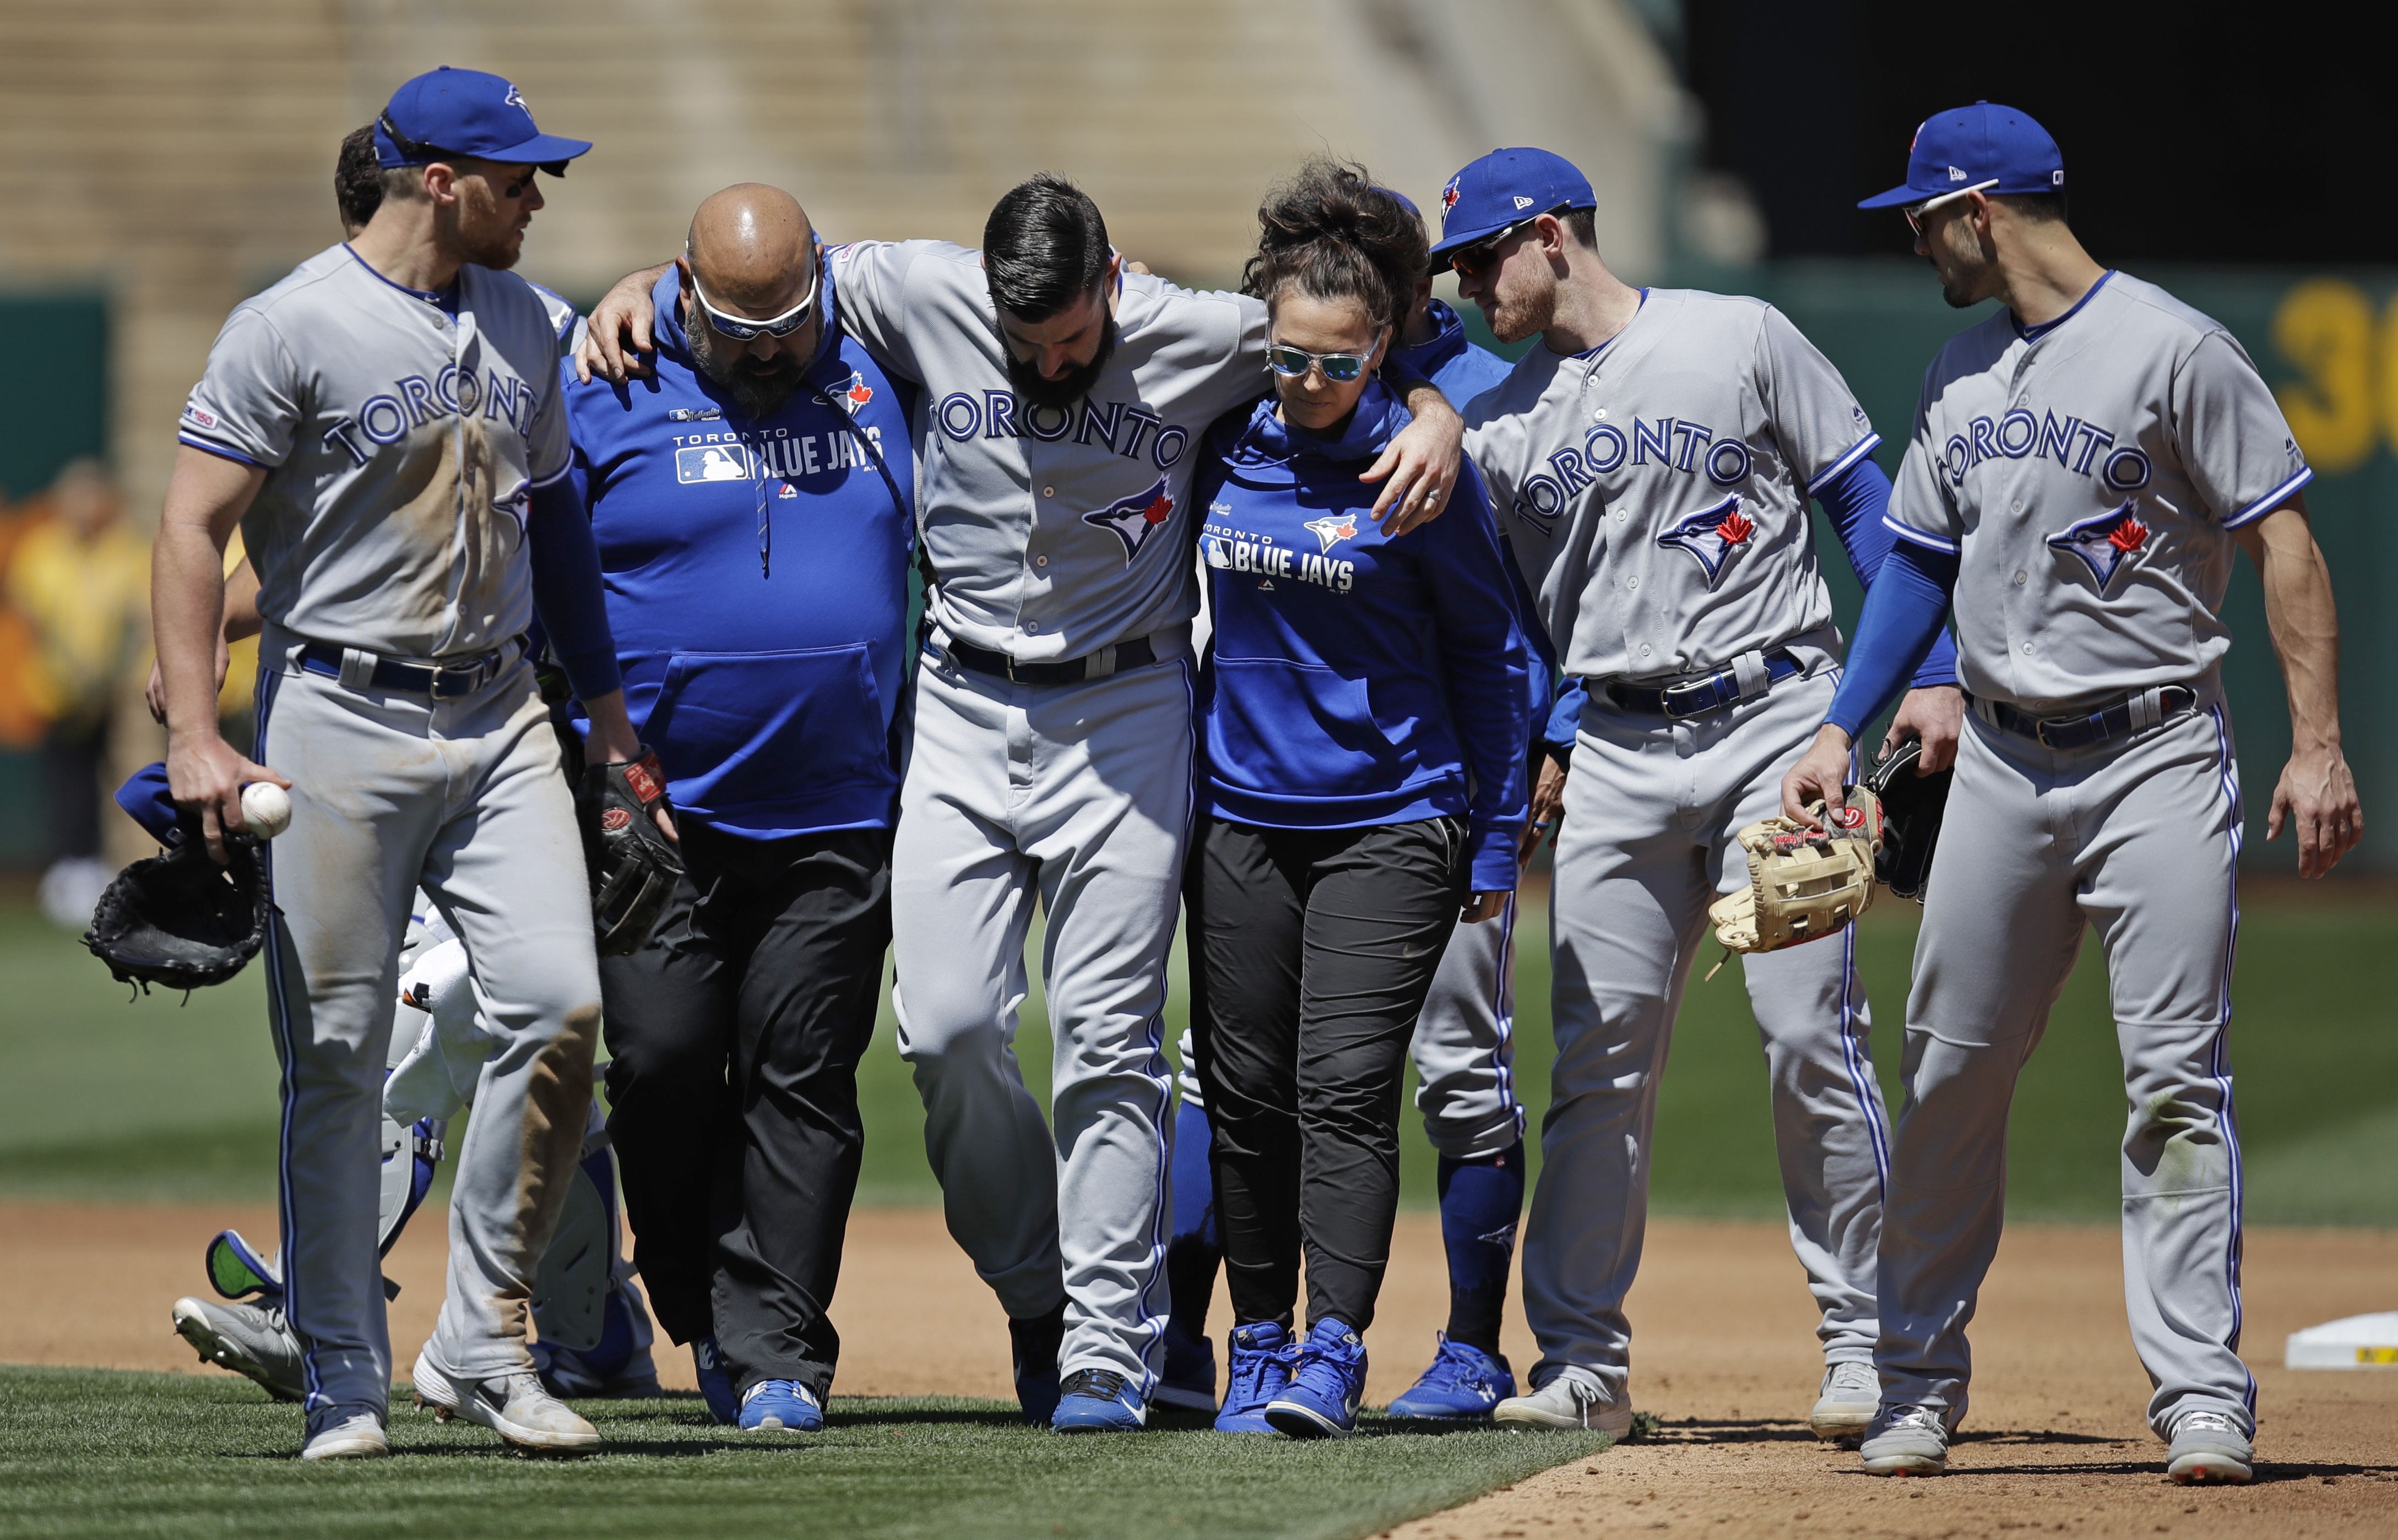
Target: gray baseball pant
<point x="1647" y="844"/>
<point x="2140" y="840"/>
<point x="1080" y="795"/>
<point x="464" y="797"/>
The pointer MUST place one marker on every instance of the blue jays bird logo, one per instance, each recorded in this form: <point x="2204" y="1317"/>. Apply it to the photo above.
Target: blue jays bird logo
<point x="856" y="393"/>
<point x="2106" y="544"/>
<point x="1134" y="519"/>
<point x="1332" y="529"/>
<point x="1713" y="535"/>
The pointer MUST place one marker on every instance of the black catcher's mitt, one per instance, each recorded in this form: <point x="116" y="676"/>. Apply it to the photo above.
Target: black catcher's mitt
<point x="1911" y="809"/>
<point x="634" y="868"/>
<point x="180" y="920"/>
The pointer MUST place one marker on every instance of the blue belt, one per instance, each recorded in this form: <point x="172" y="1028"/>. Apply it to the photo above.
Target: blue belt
<point x="2118" y="718"/>
<point x="1697" y="697"/>
<point x="363" y="670"/>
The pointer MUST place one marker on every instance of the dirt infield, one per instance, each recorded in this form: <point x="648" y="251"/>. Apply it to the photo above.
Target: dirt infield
<point x="1726" y="1357"/>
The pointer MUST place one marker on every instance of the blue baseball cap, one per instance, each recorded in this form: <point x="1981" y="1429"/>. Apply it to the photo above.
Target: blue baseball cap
<point x="145" y="799"/>
<point x="1503" y="188"/>
<point x="466" y="113"/>
<point x="1984" y="148"/>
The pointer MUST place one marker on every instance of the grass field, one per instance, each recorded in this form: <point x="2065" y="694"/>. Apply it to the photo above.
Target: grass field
<point x="157" y="1098"/>
<point x="87" y="1452"/>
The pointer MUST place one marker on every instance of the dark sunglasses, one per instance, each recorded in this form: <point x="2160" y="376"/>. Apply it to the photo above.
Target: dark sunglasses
<point x="1338" y="367"/>
<point x="1472" y="262"/>
<point x="740" y="329"/>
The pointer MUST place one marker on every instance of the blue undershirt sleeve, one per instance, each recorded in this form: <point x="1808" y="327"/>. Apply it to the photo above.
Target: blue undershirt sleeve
<point x="1856" y="501"/>
<point x="1565" y="720"/>
<point x="566" y="591"/>
<point x="1903" y="609"/>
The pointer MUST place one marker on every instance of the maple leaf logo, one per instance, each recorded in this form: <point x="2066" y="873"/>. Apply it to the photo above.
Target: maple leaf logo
<point x="860" y="393"/>
<point x="1159" y="509"/>
<point x="1449" y="196"/>
<point x="2128" y="536"/>
<point x="2105" y="544"/>
<point x="1735" y="528"/>
<point x="1713" y="535"/>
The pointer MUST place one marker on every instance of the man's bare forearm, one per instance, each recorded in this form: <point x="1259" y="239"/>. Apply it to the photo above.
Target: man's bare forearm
<point x="2303" y="619"/>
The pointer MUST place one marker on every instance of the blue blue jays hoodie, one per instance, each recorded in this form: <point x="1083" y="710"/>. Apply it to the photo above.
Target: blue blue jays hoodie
<point x="767" y="689"/>
<point x="1354" y="679"/>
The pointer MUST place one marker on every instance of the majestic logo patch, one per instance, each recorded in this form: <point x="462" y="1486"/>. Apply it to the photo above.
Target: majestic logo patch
<point x="1712" y="536"/>
<point x="1332" y="529"/>
<point x="694" y="414"/>
<point x="712" y="463"/>
<point x="2106" y="544"/>
<point x="1135" y="518"/>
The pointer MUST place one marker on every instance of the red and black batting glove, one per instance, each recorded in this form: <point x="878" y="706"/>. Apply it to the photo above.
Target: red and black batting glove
<point x="633" y="867"/>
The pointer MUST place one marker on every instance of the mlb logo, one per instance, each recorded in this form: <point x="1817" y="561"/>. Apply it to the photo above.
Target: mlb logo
<point x="193" y="414"/>
<point x="712" y="463"/>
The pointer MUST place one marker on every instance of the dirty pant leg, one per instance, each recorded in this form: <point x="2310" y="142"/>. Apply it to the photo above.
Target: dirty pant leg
<point x="2001" y="929"/>
<point x="509" y="870"/>
<point x="1626" y="907"/>
<point x="364" y="806"/>
<point x="2159" y="889"/>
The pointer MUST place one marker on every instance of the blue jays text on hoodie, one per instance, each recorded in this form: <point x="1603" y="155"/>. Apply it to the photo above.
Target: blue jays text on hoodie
<point x="1465" y="370"/>
<point x="1354" y="679"/>
<point x="757" y="580"/>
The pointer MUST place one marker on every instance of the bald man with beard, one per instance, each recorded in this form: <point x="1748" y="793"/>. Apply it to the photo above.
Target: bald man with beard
<point x="755" y="545"/>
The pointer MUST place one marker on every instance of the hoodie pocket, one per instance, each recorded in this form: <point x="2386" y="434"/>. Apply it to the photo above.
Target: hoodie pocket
<point x="1297" y="730"/>
<point x="759" y="729"/>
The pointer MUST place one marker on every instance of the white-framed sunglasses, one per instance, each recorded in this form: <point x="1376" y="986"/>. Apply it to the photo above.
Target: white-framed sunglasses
<point x="741" y="328"/>
<point x="1338" y="367"/>
<point x="1915" y="211"/>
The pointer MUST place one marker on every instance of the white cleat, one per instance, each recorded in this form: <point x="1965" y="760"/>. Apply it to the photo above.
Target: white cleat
<point x="514" y="1406"/>
<point x="1913" y="1441"/>
<point x="1846" y="1404"/>
<point x="361" y="1438"/>
<point x="2209" y="1449"/>
<point x="1567" y="1402"/>
<point x="252" y="1340"/>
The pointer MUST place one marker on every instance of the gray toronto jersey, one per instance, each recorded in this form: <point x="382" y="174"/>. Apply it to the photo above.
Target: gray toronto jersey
<point x="402" y="446"/>
<point x="2089" y="473"/>
<point x="1053" y="533"/>
<point x="1655" y="489"/>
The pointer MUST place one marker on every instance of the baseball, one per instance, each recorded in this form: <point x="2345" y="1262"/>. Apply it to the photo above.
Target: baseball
<point x="266" y="808"/>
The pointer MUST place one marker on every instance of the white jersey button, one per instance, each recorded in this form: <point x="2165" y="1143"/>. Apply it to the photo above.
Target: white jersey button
<point x="1632" y="582"/>
<point x="1644" y="650"/>
<point x="2026" y="650"/>
<point x="2017" y="505"/>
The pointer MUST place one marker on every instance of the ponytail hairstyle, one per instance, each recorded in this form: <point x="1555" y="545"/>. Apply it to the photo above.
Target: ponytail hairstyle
<point x="1331" y="234"/>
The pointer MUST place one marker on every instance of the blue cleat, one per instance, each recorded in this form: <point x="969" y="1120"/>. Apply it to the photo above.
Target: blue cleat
<point x="1098" y="1401"/>
<point x="1321" y="1400"/>
<point x="1189" y="1378"/>
<point x="780" y="1406"/>
<point x="1034" y="1345"/>
<point x="1260" y="1357"/>
<point x="1463" y="1384"/>
<point x="716" y="1381"/>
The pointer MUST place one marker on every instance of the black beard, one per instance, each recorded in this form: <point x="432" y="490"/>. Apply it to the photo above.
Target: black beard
<point x="759" y="388"/>
<point x="1061" y="393"/>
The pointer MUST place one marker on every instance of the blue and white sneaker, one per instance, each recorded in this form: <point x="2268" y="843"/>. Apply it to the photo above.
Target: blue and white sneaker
<point x="1189" y="1378"/>
<point x="1033" y="1346"/>
<point x="1463" y="1384"/>
<point x="1260" y="1359"/>
<point x="1321" y="1400"/>
<point x="780" y="1406"/>
<point x="1098" y="1401"/>
<point x="716" y="1381"/>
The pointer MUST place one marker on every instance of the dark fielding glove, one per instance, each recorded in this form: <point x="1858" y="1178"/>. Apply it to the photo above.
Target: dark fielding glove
<point x="180" y="920"/>
<point x="1911" y="808"/>
<point x="633" y="867"/>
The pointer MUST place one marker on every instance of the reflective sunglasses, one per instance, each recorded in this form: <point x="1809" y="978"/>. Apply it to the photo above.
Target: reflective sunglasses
<point x="1338" y="367"/>
<point x="1915" y="211"/>
<point x="740" y="329"/>
<point x="1472" y="262"/>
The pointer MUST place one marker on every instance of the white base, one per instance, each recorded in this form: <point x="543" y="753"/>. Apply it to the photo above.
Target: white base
<point x="2359" y="1342"/>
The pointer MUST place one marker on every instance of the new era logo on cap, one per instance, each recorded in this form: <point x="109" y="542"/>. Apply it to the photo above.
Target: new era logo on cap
<point x="1523" y="203"/>
<point x="1984" y="147"/>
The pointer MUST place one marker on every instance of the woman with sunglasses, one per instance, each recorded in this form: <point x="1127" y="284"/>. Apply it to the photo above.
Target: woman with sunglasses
<point x="1363" y="712"/>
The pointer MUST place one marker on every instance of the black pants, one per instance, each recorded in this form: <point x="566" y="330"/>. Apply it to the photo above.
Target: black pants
<point x="1312" y="951"/>
<point x="736" y="1036"/>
